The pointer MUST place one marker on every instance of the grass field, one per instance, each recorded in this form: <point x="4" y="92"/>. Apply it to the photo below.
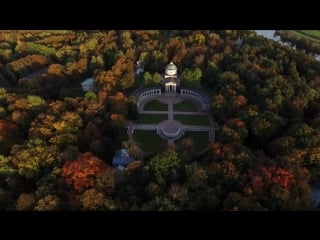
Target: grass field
<point x="151" y="118"/>
<point x="149" y="140"/>
<point x="310" y="34"/>
<point x="155" y="105"/>
<point x="200" y="140"/>
<point x="192" y="120"/>
<point x="185" y="106"/>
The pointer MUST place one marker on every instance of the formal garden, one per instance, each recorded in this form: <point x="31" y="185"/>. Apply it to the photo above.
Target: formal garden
<point x="175" y="112"/>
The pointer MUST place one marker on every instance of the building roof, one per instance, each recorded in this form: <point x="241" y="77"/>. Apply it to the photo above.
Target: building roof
<point x="122" y="157"/>
<point x="89" y="81"/>
<point x="140" y="63"/>
<point x="239" y="41"/>
<point x="171" y="66"/>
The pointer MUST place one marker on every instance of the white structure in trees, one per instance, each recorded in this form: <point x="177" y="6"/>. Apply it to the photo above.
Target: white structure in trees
<point x="171" y="82"/>
<point x="88" y="85"/>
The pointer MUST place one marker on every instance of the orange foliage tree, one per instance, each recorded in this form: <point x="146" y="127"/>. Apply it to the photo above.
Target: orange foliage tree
<point x="264" y="177"/>
<point x="81" y="172"/>
<point x="119" y="103"/>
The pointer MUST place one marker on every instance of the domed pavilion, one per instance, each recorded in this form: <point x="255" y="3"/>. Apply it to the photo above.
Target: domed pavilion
<point x="171" y="82"/>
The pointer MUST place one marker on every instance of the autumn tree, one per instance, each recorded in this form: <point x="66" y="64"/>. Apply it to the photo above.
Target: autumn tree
<point x="196" y="177"/>
<point x="191" y="77"/>
<point x="42" y="126"/>
<point x="36" y="104"/>
<point x="164" y="167"/>
<point x="218" y="106"/>
<point x="237" y="202"/>
<point x="133" y="148"/>
<point x="118" y="121"/>
<point x="9" y="135"/>
<point x="66" y="129"/>
<point x="90" y="136"/>
<point x="160" y="203"/>
<point x="228" y="135"/>
<point x="106" y="181"/>
<point x="119" y="103"/>
<point x="92" y="200"/>
<point x="266" y="126"/>
<point x="25" y="202"/>
<point x="188" y="149"/>
<point x="57" y="70"/>
<point x="81" y="173"/>
<point x="34" y="158"/>
<point x="8" y="173"/>
<point x="178" y="193"/>
<point x="281" y="146"/>
<point x="275" y="183"/>
<point x="106" y="81"/>
<point x="48" y="203"/>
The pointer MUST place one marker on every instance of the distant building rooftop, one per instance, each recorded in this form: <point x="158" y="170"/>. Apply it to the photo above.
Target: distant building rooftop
<point x="140" y="67"/>
<point x="121" y="158"/>
<point x="239" y="41"/>
<point x="88" y="84"/>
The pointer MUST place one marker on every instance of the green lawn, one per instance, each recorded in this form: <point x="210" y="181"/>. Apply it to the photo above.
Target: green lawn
<point x="149" y="140"/>
<point x="200" y="140"/>
<point x="155" y="105"/>
<point x="310" y="34"/>
<point x="185" y="106"/>
<point x="151" y="118"/>
<point x="192" y="120"/>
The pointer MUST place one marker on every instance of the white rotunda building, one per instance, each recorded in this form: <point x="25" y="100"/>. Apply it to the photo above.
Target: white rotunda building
<point x="171" y="82"/>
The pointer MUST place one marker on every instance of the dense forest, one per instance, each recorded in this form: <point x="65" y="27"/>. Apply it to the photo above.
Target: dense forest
<point x="57" y="143"/>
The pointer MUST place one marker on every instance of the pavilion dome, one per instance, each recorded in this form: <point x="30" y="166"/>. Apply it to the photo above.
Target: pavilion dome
<point x="171" y="66"/>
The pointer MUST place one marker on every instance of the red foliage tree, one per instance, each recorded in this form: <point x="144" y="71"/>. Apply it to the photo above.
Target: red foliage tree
<point x="81" y="173"/>
<point x="9" y="135"/>
<point x="264" y="177"/>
